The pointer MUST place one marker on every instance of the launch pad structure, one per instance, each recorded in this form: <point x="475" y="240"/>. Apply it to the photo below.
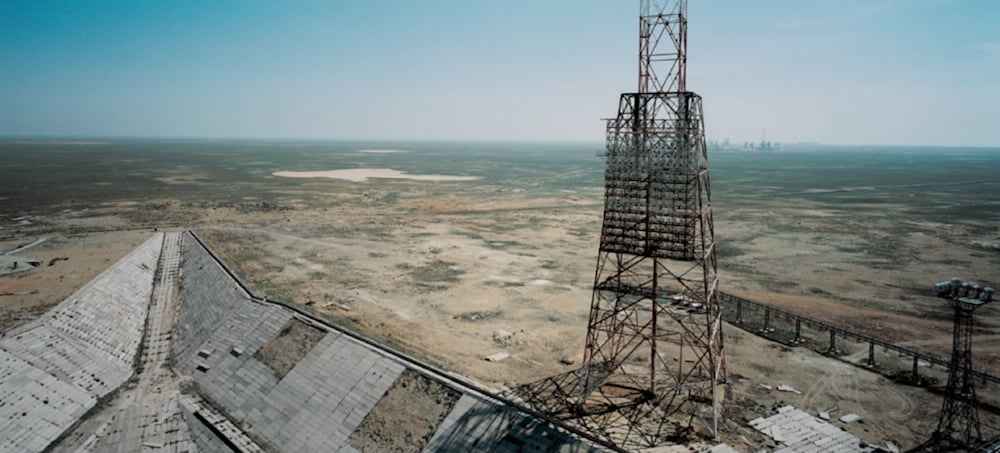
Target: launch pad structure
<point x="654" y="342"/>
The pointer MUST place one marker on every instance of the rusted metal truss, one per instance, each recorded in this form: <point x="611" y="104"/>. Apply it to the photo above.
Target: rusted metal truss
<point x="656" y="172"/>
<point x="654" y="342"/>
<point x="663" y="46"/>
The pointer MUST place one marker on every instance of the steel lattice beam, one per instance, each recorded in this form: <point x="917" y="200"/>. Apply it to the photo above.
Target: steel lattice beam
<point x="958" y="422"/>
<point x="654" y="340"/>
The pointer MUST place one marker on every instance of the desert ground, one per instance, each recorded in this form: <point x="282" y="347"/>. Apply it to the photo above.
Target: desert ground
<point x="452" y="270"/>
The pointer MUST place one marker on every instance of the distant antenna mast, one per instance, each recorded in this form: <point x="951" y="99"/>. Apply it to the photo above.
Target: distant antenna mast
<point x="654" y="339"/>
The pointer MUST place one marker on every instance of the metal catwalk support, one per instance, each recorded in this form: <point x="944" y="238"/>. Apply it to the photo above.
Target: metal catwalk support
<point x="654" y="340"/>
<point x="958" y="423"/>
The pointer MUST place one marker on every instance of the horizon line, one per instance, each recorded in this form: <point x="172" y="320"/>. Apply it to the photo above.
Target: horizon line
<point x="734" y="146"/>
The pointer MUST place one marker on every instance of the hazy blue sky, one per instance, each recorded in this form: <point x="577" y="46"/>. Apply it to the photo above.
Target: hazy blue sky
<point x="924" y="72"/>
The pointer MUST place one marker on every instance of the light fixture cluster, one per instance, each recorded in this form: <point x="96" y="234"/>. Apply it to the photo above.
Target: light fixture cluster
<point x="964" y="292"/>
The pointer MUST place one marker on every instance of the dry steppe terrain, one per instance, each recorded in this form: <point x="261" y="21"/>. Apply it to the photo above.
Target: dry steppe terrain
<point x="453" y="271"/>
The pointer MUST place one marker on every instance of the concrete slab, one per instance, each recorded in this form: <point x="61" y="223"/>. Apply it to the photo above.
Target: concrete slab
<point x="53" y="369"/>
<point x="10" y="264"/>
<point x="849" y="418"/>
<point x="800" y="432"/>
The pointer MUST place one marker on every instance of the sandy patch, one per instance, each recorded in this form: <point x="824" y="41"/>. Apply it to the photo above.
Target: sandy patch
<point x="381" y="151"/>
<point x="59" y="142"/>
<point x="362" y="175"/>
<point x="180" y="179"/>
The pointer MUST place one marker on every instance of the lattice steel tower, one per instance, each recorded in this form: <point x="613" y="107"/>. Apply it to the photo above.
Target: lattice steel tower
<point x="958" y="423"/>
<point x="654" y="340"/>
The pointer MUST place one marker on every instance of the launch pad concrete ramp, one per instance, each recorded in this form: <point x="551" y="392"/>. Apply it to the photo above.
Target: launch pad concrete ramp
<point x="342" y="393"/>
<point x="54" y="369"/>
<point x="167" y="351"/>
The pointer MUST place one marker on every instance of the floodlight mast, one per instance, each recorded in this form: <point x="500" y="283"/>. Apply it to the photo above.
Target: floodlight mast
<point x="655" y="320"/>
<point x="958" y="423"/>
